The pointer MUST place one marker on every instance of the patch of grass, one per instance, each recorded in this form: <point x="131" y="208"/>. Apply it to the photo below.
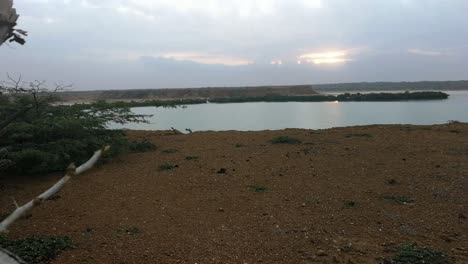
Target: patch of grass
<point x="392" y="182"/>
<point x="169" y="151"/>
<point x="141" y="146"/>
<point x="167" y="166"/>
<point x="358" y="135"/>
<point x="54" y="197"/>
<point x="258" y="188"/>
<point x="411" y="254"/>
<point x="312" y="198"/>
<point x="36" y="249"/>
<point x="350" y="204"/>
<point x="285" y="140"/>
<point x="399" y="199"/>
<point x="192" y="157"/>
<point x="132" y="230"/>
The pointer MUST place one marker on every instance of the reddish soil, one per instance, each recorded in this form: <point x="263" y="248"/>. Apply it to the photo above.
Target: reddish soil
<point x="321" y="201"/>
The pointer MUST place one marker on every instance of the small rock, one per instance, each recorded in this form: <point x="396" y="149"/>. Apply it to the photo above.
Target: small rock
<point x="220" y="209"/>
<point x="221" y="171"/>
<point x="321" y="253"/>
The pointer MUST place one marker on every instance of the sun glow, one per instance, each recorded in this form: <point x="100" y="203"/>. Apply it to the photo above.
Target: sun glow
<point x="333" y="57"/>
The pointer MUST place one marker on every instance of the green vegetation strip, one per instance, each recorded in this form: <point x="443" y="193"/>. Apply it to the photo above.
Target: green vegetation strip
<point x="346" y="97"/>
<point x="36" y="249"/>
<point x="411" y="254"/>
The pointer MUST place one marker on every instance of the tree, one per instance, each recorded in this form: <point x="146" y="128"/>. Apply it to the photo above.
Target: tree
<point x="38" y="135"/>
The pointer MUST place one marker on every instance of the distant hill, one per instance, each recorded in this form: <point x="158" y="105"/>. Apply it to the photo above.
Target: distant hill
<point x="257" y="91"/>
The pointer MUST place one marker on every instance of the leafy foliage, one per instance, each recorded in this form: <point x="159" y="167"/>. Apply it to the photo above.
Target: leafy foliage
<point x="36" y="249"/>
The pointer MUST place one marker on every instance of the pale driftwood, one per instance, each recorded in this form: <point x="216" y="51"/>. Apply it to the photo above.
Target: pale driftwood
<point x="6" y="257"/>
<point x="71" y="171"/>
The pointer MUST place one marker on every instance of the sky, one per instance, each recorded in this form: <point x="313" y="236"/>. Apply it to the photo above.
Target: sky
<point x="129" y="44"/>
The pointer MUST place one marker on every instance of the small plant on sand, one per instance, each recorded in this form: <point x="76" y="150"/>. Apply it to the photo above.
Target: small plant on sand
<point x="192" y="157"/>
<point x="258" y="188"/>
<point x="350" y="204"/>
<point x="285" y="140"/>
<point x="131" y="230"/>
<point x="36" y="249"/>
<point x="312" y="198"/>
<point x="399" y="199"/>
<point x="411" y="254"/>
<point x="392" y="182"/>
<point x="238" y="145"/>
<point x="358" y="135"/>
<point x="169" y="151"/>
<point x="453" y="122"/>
<point x="167" y="166"/>
<point x="141" y="146"/>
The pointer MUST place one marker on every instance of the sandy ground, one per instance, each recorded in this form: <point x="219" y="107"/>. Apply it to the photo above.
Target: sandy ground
<point x="321" y="201"/>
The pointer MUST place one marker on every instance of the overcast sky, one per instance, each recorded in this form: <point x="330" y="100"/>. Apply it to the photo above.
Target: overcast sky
<point x="125" y="44"/>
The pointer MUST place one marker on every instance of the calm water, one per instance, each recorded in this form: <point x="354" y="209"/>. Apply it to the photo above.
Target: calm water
<point x="312" y="115"/>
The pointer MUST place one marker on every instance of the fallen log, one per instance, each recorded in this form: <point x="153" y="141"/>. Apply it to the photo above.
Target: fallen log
<point x="71" y="171"/>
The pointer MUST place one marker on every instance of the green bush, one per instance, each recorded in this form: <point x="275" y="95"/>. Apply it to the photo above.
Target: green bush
<point x="36" y="249"/>
<point x="410" y="254"/>
<point x="167" y="166"/>
<point x="169" y="151"/>
<point x="141" y="146"/>
<point x="399" y="199"/>
<point x="285" y="140"/>
<point x="47" y="137"/>
<point x="258" y="189"/>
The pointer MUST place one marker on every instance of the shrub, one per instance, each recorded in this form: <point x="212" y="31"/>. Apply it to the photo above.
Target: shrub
<point x="285" y="140"/>
<point x="399" y="199"/>
<point x="359" y="135"/>
<point x="192" y="157"/>
<point x="392" y="182"/>
<point x="169" y="151"/>
<point x="141" y="146"/>
<point x="410" y="254"/>
<point x="257" y="188"/>
<point x="349" y="204"/>
<point x="38" y="137"/>
<point x="167" y="166"/>
<point x="132" y="230"/>
<point x="36" y="249"/>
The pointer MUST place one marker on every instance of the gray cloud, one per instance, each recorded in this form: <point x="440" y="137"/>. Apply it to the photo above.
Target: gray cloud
<point x="149" y="44"/>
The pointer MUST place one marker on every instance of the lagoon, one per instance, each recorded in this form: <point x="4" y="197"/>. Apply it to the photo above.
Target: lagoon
<point x="309" y="115"/>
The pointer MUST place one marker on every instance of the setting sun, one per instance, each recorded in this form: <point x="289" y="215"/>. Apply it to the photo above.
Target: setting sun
<point x="325" y="57"/>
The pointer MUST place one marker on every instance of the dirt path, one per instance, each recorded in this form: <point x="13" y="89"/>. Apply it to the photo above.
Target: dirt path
<point x="335" y="198"/>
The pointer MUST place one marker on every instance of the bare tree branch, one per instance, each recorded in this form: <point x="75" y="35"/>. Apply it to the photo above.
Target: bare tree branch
<point x="71" y="171"/>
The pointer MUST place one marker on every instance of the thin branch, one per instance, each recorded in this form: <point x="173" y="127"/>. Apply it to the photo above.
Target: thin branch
<point x="71" y="171"/>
